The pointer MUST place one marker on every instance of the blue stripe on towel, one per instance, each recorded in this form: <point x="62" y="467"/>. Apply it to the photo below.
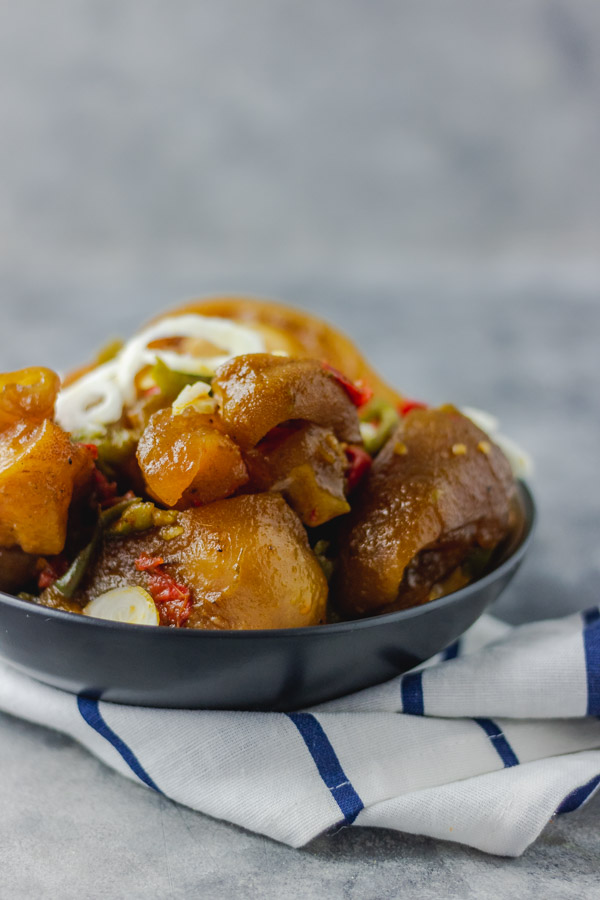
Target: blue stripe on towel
<point x="579" y="796"/>
<point x="591" y="646"/>
<point x="328" y="765"/>
<point x="501" y="745"/>
<point x="591" y="615"/>
<point x="90" y="711"/>
<point x="452" y="651"/>
<point x="411" y="687"/>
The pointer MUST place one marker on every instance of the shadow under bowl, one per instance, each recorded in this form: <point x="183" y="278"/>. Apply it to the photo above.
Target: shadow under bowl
<point x="281" y="669"/>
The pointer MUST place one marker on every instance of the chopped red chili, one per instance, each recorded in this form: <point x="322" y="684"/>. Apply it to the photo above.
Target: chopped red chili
<point x="92" y="448"/>
<point x="106" y="490"/>
<point x="360" y="463"/>
<point x="358" y="392"/>
<point x="145" y="562"/>
<point x="172" y="598"/>
<point x="407" y="405"/>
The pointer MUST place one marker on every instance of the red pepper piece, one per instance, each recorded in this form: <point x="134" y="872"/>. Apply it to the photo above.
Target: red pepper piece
<point x="359" y="393"/>
<point x="360" y="463"/>
<point x="105" y="489"/>
<point x="313" y="516"/>
<point x="407" y="405"/>
<point x="52" y="571"/>
<point x="92" y="448"/>
<point x="145" y="562"/>
<point x="172" y="598"/>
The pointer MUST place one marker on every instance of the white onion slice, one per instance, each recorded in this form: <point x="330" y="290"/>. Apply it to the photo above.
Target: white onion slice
<point x="97" y="398"/>
<point x="91" y="401"/>
<point x="235" y="339"/>
<point x="133" y="605"/>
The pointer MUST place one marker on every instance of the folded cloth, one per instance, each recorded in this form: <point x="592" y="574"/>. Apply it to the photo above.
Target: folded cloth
<point x="482" y="745"/>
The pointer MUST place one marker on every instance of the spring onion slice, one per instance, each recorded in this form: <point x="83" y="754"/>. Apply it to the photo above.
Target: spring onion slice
<point x="98" y="397"/>
<point x="132" y="604"/>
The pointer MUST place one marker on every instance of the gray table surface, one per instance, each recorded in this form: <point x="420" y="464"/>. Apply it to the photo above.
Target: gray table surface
<point x="425" y="175"/>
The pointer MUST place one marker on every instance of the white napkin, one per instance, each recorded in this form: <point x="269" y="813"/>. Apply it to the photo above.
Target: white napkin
<point x="483" y="745"/>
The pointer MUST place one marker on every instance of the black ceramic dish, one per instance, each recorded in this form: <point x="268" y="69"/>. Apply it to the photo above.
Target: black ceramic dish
<point x="283" y="669"/>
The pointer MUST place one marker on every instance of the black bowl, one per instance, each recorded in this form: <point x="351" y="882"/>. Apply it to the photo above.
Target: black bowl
<point x="283" y="669"/>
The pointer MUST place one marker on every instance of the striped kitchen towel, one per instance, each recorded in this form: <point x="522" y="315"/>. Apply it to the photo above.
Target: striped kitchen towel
<point x="483" y="745"/>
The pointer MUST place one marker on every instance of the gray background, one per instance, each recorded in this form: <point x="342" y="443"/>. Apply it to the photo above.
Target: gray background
<point x="424" y="174"/>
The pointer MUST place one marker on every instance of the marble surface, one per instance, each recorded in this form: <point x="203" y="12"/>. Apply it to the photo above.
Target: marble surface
<point x="425" y="175"/>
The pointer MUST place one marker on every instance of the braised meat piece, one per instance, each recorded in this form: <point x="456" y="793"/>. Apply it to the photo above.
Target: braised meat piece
<point x="40" y="467"/>
<point x="245" y="561"/>
<point x="187" y="460"/>
<point x="307" y="464"/>
<point x="438" y="491"/>
<point x="259" y="391"/>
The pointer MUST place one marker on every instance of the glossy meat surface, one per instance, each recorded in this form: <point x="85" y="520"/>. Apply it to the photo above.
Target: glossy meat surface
<point x="39" y="468"/>
<point x="187" y="460"/>
<point x="28" y="394"/>
<point x="260" y="391"/>
<point x="438" y="487"/>
<point x="246" y="561"/>
<point x="307" y="465"/>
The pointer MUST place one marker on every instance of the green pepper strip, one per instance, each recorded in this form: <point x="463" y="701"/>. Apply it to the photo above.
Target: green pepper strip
<point x="139" y="517"/>
<point x="388" y="419"/>
<point x="171" y="382"/>
<point x="70" y="581"/>
<point x="113" y="512"/>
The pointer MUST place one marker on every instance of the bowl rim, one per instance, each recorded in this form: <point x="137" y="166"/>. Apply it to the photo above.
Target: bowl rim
<point x="515" y="557"/>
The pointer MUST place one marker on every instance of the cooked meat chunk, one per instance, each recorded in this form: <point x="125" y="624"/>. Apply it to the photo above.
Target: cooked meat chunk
<point x="438" y="490"/>
<point x="40" y="468"/>
<point x="187" y="459"/>
<point x="245" y="560"/>
<point x="259" y="391"/>
<point x="307" y="464"/>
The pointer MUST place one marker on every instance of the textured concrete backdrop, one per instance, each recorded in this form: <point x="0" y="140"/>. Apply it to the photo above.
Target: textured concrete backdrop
<point x="425" y="174"/>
